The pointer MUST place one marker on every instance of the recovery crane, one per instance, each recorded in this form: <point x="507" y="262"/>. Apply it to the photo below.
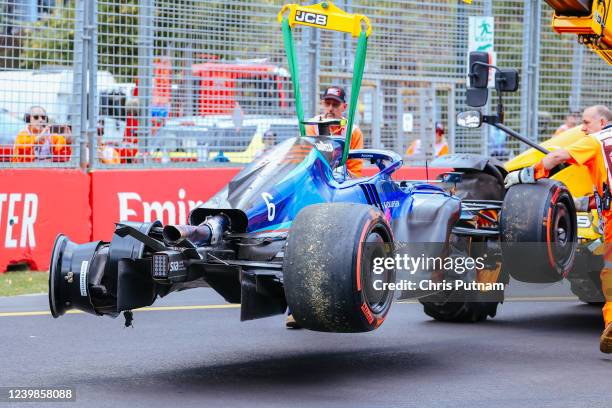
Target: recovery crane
<point x="588" y="19"/>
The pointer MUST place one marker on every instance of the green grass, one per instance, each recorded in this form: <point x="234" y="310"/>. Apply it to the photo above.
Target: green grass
<point x="21" y="283"/>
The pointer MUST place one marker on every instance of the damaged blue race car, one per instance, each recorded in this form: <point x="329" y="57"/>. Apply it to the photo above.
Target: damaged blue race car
<point x="289" y="231"/>
<point x="292" y="229"/>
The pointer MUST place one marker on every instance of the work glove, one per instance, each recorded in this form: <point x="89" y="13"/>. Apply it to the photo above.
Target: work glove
<point x="522" y="176"/>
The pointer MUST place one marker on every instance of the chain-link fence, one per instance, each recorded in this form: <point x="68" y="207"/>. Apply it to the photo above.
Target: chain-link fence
<point x="194" y="82"/>
<point x="39" y="84"/>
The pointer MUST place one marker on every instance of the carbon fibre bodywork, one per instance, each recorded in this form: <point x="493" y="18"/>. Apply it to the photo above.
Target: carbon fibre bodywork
<point x="300" y="172"/>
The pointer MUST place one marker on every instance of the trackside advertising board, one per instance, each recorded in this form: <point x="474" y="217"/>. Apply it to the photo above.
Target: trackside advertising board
<point x="148" y="195"/>
<point x="36" y="205"/>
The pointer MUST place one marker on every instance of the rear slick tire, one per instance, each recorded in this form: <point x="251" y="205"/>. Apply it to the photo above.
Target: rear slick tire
<point x="459" y="306"/>
<point x="467" y="306"/>
<point x="327" y="272"/>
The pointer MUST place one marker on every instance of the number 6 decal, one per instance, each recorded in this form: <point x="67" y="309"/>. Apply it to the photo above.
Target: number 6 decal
<point x="271" y="207"/>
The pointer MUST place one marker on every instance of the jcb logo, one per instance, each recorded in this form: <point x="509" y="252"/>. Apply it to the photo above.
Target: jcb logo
<point x="311" y="18"/>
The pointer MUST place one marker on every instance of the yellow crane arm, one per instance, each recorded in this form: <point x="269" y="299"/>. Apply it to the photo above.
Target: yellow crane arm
<point x="588" y="19"/>
<point x="326" y="16"/>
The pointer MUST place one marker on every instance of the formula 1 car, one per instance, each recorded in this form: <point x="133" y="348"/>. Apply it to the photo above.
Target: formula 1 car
<point x="287" y="231"/>
<point x="292" y="229"/>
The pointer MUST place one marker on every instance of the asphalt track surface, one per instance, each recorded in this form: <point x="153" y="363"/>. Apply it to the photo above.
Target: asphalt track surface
<point x="189" y="352"/>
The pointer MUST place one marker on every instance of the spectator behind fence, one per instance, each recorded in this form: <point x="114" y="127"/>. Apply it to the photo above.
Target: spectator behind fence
<point x="440" y="145"/>
<point x="39" y="141"/>
<point x="571" y="121"/>
<point x="269" y="141"/>
<point x="497" y="144"/>
<point x="129" y="148"/>
<point x="106" y="154"/>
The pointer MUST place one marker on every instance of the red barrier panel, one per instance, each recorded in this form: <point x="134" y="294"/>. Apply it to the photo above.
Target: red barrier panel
<point x="145" y="195"/>
<point x="36" y="205"/>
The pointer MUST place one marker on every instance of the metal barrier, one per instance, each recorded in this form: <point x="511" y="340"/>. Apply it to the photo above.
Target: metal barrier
<point x="151" y="83"/>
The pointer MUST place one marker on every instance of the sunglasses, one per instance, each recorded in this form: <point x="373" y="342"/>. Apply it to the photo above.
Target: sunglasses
<point x="37" y="117"/>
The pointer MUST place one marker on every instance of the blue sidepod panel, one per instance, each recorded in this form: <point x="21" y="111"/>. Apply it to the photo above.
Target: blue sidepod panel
<point x="272" y="190"/>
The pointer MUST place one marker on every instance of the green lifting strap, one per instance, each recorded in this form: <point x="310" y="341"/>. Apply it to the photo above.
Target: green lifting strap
<point x="293" y="70"/>
<point x="360" y="57"/>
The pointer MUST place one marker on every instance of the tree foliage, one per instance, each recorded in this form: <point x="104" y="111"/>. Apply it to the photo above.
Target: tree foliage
<point x="50" y="41"/>
<point x="225" y="30"/>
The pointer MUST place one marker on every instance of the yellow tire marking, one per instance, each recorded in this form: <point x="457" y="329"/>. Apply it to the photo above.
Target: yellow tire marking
<point x="235" y="306"/>
<point x="144" y="309"/>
